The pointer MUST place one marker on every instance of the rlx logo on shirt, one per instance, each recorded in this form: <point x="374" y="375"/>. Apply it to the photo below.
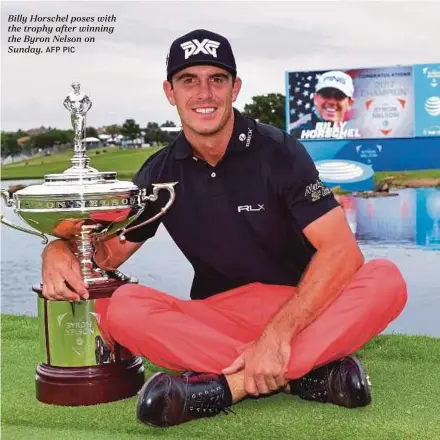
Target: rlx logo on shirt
<point x="250" y="208"/>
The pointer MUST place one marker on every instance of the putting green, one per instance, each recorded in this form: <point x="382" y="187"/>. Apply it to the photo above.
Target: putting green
<point x="404" y="371"/>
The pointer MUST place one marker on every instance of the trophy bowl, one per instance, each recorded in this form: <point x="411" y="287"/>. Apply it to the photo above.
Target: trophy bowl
<point x="83" y="209"/>
<point x="80" y="364"/>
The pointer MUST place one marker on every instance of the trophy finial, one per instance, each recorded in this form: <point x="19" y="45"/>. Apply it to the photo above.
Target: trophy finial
<point x="78" y="104"/>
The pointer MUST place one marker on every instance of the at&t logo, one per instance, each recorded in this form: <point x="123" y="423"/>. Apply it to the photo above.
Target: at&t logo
<point x="432" y="106"/>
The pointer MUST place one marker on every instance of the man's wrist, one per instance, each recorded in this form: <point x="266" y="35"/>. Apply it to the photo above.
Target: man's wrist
<point x="279" y="329"/>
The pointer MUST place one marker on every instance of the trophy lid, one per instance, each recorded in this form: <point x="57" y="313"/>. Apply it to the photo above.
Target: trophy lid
<point x="56" y="185"/>
<point x="83" y="178"/>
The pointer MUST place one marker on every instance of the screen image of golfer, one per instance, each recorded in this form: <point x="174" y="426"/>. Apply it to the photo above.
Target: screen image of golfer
<point x="351" y="104"/>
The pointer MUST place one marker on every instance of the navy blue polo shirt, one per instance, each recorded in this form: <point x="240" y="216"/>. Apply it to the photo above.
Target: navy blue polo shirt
<point x="241" y="220"/>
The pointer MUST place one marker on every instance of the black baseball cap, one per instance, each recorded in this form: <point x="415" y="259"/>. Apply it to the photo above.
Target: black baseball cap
<point x="200" y="47"/>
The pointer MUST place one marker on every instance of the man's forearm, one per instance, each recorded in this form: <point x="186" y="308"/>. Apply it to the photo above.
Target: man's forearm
<point x="327" y="274"/>
<point x="104" y="257"/>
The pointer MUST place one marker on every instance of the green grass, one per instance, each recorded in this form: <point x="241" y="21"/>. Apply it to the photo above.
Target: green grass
<point x="404" y="371"/>
<point x="414" y="174"/>
<point x="405" y="176"/>
<point x="124" y="162"/>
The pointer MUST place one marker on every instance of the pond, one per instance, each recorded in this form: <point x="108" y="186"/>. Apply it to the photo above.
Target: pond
<point x="404" y="228"/>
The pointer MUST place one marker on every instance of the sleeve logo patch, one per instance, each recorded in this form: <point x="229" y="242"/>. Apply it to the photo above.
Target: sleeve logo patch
<point x="316" y="191"/>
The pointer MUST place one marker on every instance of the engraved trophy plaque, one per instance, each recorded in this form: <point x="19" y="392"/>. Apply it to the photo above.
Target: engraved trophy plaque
<point x="79" y="366"/>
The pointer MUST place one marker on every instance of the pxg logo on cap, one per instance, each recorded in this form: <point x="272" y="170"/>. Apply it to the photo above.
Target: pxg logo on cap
<point x="207" y="47"/>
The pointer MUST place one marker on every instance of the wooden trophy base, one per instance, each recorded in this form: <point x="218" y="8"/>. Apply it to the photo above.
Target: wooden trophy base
<point x="89" y="385"/>
<point x="101" y="376"/>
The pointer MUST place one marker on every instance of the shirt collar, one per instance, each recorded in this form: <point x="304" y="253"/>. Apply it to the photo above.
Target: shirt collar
<point x="182" y="146"/>
<point x="240" y="140"/>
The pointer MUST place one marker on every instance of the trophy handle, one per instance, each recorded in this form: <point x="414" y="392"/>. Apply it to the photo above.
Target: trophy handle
<point x="3" y="220"/>
<point x="152" y="198"/>
<point x="9" y="202"/>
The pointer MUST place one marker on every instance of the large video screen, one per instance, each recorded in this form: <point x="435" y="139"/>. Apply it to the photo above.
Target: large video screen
<point x="374" y="103"/>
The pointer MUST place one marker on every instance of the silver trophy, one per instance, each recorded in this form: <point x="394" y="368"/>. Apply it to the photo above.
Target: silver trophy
<point x="82" y="205"/>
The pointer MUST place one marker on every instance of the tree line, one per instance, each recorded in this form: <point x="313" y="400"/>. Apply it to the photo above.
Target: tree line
<point x="267" y="108"/>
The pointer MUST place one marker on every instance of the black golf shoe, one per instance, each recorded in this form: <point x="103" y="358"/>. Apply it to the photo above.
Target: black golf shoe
<point x="170" y="400"/>
<point x="342" y="382"/>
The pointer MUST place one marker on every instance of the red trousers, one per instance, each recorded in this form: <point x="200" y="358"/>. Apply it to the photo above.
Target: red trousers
<point x="207" y="335"/>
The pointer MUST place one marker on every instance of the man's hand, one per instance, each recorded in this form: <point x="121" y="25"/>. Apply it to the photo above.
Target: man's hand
<point x="265" y="364"/>
<point x="60" y="266"/>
